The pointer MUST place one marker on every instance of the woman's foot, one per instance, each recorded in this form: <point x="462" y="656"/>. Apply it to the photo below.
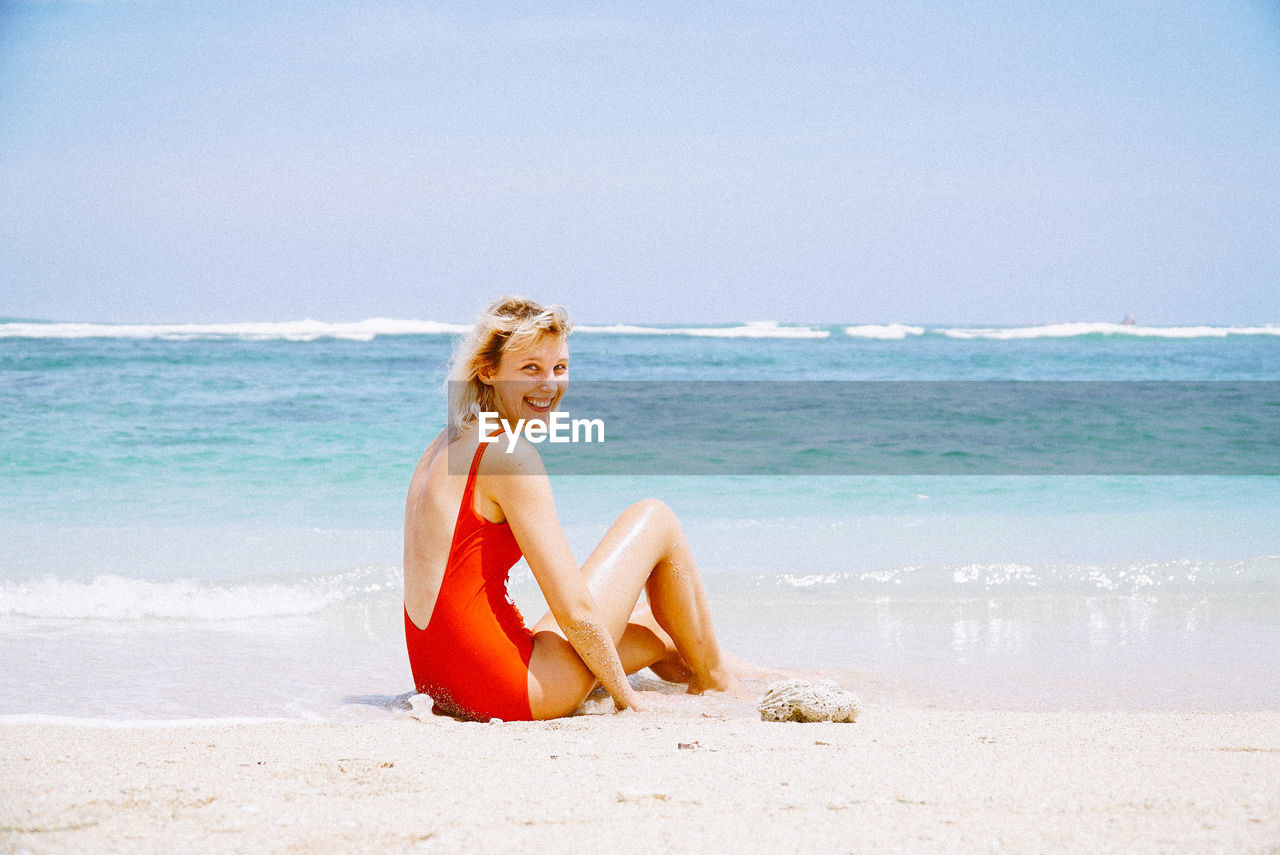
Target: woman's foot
<point x="721" y="680"/>
<point x="672" y="669"/>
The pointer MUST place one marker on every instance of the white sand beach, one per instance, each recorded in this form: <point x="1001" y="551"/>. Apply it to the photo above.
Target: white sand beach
<point x="907" y="779"/>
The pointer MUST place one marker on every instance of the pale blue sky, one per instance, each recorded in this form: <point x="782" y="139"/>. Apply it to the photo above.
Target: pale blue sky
<point x="967" y="162"/>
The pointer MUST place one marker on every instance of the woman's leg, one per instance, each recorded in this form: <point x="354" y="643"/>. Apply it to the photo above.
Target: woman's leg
<point x="648" y="645"/>
<point x="644" y="550"/>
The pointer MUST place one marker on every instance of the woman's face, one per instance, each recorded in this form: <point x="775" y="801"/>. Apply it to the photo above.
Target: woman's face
<point x="530" y="383"/>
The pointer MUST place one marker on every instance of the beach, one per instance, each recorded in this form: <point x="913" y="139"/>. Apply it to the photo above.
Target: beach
<point x="908" y="779"/>
<point x="202" y="628"/>
<point x="948" y="333"/>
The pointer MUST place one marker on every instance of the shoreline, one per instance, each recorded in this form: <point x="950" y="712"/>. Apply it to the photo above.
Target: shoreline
<point x="1020" y="689"/>
<point x="922" y="779"/>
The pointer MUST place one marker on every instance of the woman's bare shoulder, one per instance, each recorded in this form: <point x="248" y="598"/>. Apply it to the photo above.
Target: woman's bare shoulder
<point x="440" y="445"/>
<point x="433" y="468"/>
<point x="506" y="458"/>
<point x="428" y="456"/>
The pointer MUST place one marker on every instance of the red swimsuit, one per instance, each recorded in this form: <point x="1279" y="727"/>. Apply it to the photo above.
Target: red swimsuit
<point x="473" y="657"/>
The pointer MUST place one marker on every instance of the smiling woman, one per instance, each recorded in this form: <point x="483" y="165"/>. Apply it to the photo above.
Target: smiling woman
<point x="480" y="379"/>
<point x="469" y="646"/>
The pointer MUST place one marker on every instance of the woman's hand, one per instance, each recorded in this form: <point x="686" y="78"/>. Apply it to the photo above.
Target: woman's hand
<point x="594" y="645"/>
<point x="631" y="702"/>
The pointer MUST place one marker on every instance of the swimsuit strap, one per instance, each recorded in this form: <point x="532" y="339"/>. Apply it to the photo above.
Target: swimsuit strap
<point x="475" y="461"/>
<point x="468" y="492"/>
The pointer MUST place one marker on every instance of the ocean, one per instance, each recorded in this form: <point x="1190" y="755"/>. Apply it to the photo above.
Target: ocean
<point x="203" y="521"/>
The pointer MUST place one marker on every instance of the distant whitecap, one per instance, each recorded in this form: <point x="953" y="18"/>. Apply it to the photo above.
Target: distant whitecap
<point x="885" y="332"/>
<point x="750" y="329"/>
<point x="305" y="330"/>
<point x="1071" y="330"/>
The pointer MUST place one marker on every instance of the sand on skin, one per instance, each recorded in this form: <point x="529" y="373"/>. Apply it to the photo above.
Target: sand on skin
<point x="907" y="778"/>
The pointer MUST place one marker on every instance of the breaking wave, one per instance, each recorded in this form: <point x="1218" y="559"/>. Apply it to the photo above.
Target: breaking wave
<point x="116" y="598"/>
<point x="367" y="330"/>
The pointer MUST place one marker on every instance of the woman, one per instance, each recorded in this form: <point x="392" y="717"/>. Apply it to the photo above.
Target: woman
<point x="468" y="645"/>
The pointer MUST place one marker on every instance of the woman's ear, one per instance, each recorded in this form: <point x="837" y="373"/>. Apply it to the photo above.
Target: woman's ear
<point x="485" y="372"/>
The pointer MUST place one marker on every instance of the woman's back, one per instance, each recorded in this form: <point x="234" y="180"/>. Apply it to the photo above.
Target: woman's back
<point x="431" y="510"/>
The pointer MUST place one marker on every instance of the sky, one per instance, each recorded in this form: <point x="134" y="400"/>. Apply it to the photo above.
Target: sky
<point x="647" y="162"/>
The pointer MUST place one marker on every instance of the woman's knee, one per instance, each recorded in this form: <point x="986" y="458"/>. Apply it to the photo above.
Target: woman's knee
<point x="656" y="510"/>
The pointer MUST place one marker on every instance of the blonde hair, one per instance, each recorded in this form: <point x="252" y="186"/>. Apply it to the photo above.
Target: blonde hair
<point x="508" y="323"/>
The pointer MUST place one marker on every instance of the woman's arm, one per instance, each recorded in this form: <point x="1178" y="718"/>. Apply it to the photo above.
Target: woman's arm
<point x="523" y="492"/>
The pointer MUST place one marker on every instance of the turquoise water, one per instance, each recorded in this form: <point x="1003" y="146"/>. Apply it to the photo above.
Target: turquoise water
<point x="182" y="506"/>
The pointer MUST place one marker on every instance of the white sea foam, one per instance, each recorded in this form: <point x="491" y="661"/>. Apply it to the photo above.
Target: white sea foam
<point x="116" y="598"/>
<point x="1071" y="330"/>
<point x="751" y="329"/>
<point x="367" y="330"/>
<point x="306" y="330"/>
<point x="883" y="332"/>
<point x="808" y="581"/>
<point x="1181" y="575"/>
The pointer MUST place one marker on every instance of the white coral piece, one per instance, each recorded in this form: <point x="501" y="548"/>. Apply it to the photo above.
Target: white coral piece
<point x="801" y="700"/>
<point x="420" y="707"/>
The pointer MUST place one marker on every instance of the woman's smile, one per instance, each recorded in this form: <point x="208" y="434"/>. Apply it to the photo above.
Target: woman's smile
<point x="540" y="404"/>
